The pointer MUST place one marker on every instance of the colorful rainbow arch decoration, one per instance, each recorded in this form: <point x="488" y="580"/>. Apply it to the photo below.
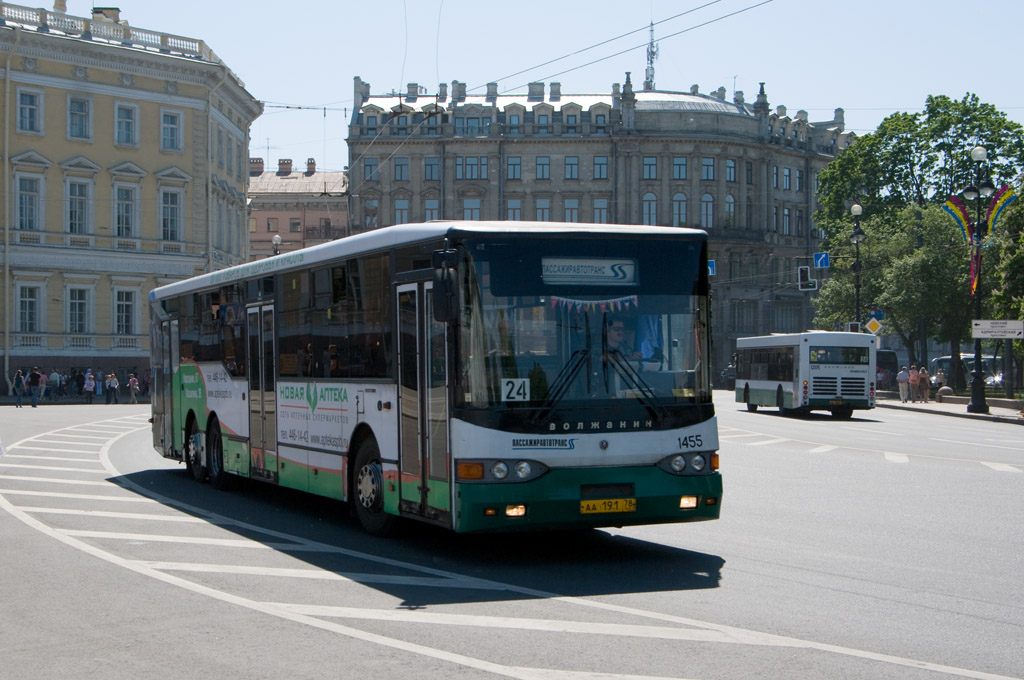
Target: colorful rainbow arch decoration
<point x="955" y="207"/>
<point x="1002" y="198"/>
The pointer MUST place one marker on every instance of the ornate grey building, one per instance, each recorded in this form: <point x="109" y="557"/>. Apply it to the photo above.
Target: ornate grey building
<point x="742" y="172"/>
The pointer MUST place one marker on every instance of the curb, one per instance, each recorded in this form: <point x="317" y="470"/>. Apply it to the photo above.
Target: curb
<point x="973" y="416"/>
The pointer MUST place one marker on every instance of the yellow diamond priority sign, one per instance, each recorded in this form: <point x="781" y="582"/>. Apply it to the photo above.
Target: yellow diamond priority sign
<point x="873" y="325"/>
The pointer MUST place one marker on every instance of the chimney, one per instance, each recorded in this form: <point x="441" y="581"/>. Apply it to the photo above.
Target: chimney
<point x="412" y="91"/>
<point x="255" y="166"/>
<point x="112" y="14"/>
<point x="720" y="93"/>
<point x="737" y="97"/>
<point x="442" y="91"/>
<point x="492" y="90"/>
<point x="780" y="111"/>
<point x="310" y="166"/>
<point x="694" y="89"/>
<point x="556" y="91"/>
<point x="60" y="6"/>
<point x="284" y="166"/>
<point x="535" y="91"/>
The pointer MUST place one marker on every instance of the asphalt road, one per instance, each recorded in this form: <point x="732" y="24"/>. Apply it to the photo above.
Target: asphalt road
<point x="888" y="546"/>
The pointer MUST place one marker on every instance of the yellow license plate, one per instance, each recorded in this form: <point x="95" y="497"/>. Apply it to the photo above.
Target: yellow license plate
<point x="607" y="505"/>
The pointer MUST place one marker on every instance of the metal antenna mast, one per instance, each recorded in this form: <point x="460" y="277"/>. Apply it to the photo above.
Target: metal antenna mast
<point x="652" y="54"/>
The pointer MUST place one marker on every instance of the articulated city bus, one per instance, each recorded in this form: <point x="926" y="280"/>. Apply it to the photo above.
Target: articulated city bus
<point x="477" y="376"/>
<point x="802" y="372"/>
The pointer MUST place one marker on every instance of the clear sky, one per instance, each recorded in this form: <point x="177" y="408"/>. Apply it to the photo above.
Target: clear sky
<point x="871" y="57"/>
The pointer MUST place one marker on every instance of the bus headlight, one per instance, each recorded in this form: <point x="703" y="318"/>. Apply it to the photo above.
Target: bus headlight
<point x="500" y="470"/>
<point x="523" y="469"/>
<point x="678" y="464"/>
<point x="698" y="463"/>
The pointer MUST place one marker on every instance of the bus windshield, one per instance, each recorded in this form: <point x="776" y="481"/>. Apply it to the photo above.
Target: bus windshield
<point x="576" y="323"/>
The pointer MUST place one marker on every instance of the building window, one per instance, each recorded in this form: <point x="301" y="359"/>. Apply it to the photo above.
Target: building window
<point x="741" y="313"/>
<point x="775" y="218"/>
<point x="799" y="222"/>
<point x="707" y="211"/>
<point x="600" y="167"/>
<point x="707" y="168"/>
<point x="470" y="167"/>
<point x="775" y="177"/>
<point x="513" y="209"/>
<point x="78" y="310"/>
<point x="650" y="167"/>
<point x="30" y="111"/>
<point x="730" y="170"/>
<point x="600" y="123"/>
<point x="730" y="211"/>
<point x="513" y="167"/>
<point x="371" y="207"/>
<point x="29" y="204"/>
<point x="125" y="210"/>
<point x="649" y="208"/>
<point x="170" y="131"/>
<point x="401" y="210"/>
<point x="513" y="124"/>
<point x="785" y="179"/>
<point x="750" y="172"/>
<point x="124" y="312"/>
<point x="170" y="215"/>
<point x="542" y="124"/>
<point x="600" y="211"/>
<point x="543" y="209"/>
<point x="572" y="210"/>
<point x="431" y="209"/>
<point x="571" y="127"/>
<point x="28" y="309"/>
<point x="785" y="221"/>
<point x="220" y="147"/>
<point x="543" y="167"/>
<point x="401" y="128"/>
<point x="401" y="169"/>
<point x="679" y="167"/>
<point x="79" y="118"/>
<point x="431" y="169"/>
<point x="471" y="209"/>
<point x="371" y="125"/>
<point x="271" y="225"/>
<point x="370" y="170"/>
<point x="799" y="180"/>
<point x="294" y="225"/>
<point x="572" y="167"/>
<point x="679" y="210"/>
<point x="78" y="221"/>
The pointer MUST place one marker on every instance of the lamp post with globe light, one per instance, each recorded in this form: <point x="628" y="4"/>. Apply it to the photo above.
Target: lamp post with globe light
<point x="856" y="237"/>
<point x="979" y="192"/>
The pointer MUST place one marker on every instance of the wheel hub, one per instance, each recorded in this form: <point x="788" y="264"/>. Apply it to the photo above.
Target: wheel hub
<point x="369" y="485"/>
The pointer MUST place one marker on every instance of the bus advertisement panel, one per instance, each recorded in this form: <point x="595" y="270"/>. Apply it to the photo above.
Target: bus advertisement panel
<point x="482" y="377"/>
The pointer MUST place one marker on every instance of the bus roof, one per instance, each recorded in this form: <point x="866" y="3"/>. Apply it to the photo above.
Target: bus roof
<point x="820" y="338"/>
<point x="390" y="237"/>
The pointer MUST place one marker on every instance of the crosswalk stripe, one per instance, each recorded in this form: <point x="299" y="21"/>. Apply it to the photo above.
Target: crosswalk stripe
<point x="767" y="442"/>
<point x="823" y="449"/>
<point x="1002" y="467"/>
<point x="893" y="457"/>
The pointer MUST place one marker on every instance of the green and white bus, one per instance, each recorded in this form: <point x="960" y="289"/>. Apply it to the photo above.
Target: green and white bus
<point x="803" y="372"/>
<point x="477" y="376"/>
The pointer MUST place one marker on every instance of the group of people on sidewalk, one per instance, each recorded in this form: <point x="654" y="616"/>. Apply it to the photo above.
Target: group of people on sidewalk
<point x="915" y="384"/>
<point x="87" y="384"/>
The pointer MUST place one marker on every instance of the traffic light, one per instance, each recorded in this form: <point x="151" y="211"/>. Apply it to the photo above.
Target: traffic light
<point x="805" y="280"/>
<point x="853" y="327"/>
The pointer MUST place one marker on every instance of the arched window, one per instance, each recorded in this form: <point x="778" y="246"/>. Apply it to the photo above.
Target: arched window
<point x="679" y="210"/>
<point x="730" y="211"/>
<point x="649" y="204"/>
<point x="707" y="211"/>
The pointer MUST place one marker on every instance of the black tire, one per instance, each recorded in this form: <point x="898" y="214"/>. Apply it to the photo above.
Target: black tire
<point x="219" y="479"/>
<point x="368" y="491"/>
<point x="194" y="453"/>
<point x="752" y="407"/>
<point x="842" y="412"/>
<point x="746" y="397"/>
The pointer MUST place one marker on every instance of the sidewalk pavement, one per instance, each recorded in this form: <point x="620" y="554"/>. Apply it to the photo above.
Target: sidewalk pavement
<point x="1000" y="410"/>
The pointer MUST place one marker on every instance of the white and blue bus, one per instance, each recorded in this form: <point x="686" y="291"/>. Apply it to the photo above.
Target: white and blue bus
<point x="477" y="376"/>
<point x="803" y="372"/>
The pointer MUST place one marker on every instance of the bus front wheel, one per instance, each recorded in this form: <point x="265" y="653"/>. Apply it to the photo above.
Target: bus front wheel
<point x="368" y="490"/>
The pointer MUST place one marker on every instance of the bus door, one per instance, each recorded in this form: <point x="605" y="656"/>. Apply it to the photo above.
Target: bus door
<point x="165" y="405"/>
<point x="423" y="400"/>
<point x="262" y="392"/>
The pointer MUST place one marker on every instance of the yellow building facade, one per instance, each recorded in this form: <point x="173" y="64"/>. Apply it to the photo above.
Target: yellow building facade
<point x="125" y="157"/>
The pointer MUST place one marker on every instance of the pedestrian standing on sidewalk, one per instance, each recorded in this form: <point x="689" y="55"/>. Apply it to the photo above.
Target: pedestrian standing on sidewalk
<point x="19" y="388"/>
<point x="915" y="378"/>
<point x="903" y="380"/>
<point x="133" y="388"/>
<point x="89" y="387"/>
<point x="925" y="385"/>
<point x="35" y="381"/>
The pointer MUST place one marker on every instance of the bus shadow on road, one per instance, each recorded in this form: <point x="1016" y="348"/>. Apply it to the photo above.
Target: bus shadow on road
<point x="516" y="566"/>
<point x="813" y="416"/>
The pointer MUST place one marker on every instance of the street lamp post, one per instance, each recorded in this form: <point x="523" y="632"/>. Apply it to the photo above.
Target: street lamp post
<point x="979" y="191"/>
<point x="275" y="244"/>
<point x="855" y="238"/>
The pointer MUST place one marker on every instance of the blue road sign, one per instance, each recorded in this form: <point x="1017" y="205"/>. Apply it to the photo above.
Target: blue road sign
<point x="821" y="261"/>
<point x="711" y="267"/>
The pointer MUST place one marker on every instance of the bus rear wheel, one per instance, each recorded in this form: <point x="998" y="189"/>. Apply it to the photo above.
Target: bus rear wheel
<point x="842" y="412"/>
<point x="194" y="453"/>
<point x="219" y="479"/>
<point x="368" y="490"/>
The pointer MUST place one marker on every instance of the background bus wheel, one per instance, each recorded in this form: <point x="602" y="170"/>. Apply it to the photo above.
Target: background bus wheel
<point x="843" y="412"/>
<point x="780" y="400"/>
<point x="194" y="454"/>
<point x="751" y="407"/>
<point x="368" y="491"/>
<point x="219" y="479"/>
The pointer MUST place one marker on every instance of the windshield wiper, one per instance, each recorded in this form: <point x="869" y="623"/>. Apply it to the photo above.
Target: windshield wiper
<point x="644" y="392"/>
<point x="561" y="383"/>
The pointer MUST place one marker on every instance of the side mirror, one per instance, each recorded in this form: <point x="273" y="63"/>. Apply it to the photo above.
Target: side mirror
<point x="446" y="285"/>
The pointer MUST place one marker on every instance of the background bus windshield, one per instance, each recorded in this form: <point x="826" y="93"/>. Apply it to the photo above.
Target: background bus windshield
<point x="840" y="355"/>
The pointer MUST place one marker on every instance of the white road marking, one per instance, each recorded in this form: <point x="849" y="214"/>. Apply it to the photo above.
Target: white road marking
<point x="823" y="449"/>
<point x="78" y="496"/>
<point x="871" y="430"/>
<point x="50" y="449"/>
<point x="740" y="436"/>
<point x="54" y="480"/>
<point x="766" y="442"/>
<point x="67" y="460"/>
<point x="119" y="515"/>
<point x="988" y="446"/>
<point x="49" y="467"/>
<point x="1002" y="467"/>
<point x="894" y="457"/>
